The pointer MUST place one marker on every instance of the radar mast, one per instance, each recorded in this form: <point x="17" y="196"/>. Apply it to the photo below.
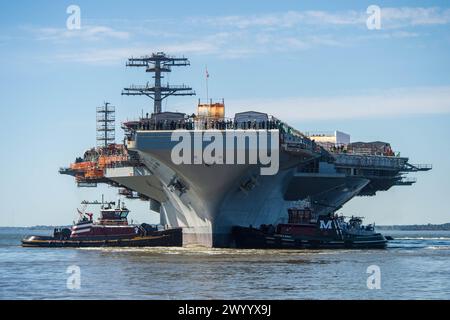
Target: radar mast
<point x="106" y="126"/>
<point x="158" y="63"/>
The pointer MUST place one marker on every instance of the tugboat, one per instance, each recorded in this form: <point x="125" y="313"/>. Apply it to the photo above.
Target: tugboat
<point x="305" y="230"/>
<point x="111" y="230"/>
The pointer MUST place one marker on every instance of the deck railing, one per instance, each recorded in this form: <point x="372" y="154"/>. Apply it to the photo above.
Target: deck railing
<point x="370" y="161"/>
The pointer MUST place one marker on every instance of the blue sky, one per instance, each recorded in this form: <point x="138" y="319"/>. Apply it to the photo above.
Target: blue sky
<point x="312" y="63"/>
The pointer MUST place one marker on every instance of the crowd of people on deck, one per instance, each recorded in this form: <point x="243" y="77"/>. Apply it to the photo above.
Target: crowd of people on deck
<point x="207" y="124"/>
<point x="197" y="123"/>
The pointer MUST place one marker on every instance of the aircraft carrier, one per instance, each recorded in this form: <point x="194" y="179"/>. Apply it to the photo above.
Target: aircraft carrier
<point x="208" y="198"/>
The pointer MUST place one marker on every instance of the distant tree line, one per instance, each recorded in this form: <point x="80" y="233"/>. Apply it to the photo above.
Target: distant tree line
<point x="414" y="227"/>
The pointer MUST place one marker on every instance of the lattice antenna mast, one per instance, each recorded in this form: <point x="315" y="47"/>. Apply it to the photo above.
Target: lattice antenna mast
<point x="157" y="64"/>
<point x="106" y="125"/>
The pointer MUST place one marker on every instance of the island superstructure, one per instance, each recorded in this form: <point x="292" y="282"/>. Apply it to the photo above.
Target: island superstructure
<point x="208" y="199"/>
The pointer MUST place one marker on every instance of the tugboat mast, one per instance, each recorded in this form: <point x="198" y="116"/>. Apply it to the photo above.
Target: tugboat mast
<point x="158" y="63"/>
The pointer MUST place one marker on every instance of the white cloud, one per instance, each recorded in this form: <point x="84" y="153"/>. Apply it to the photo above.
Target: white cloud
<point x="88" y="33"/>
<point x="98" y="56"/>
<point x="227" y="45"/>
<point x="390" y="17"/>
<point x="406" y="16"/>
<point x="284" y="20"/>
<point x="113" y="55"/>
<point x="388" y="103"/>
<point x="240" y="36"/>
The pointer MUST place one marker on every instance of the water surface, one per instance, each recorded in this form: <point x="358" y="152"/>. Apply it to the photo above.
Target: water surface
<point x="415" y="266"/>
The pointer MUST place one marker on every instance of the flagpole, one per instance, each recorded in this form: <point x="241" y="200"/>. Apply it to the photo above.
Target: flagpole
<point x="207" y="93"/>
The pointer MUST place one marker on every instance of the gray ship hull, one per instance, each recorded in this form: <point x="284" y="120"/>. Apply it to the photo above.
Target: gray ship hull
<point x="208" y="200"/>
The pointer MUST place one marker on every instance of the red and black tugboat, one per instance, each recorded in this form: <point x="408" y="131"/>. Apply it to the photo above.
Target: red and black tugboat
<point x="111" y="230"/>
<point x="306" y="230"/>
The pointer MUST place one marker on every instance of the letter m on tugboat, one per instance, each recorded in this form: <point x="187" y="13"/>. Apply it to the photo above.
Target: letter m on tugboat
<point x="325" y="225"/>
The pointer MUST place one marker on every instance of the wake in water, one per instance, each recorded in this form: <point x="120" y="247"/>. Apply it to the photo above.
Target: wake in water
<point x="438" y="247"/>
<point x="402" y="242"/>
<point x="432" y="242"/>
<point x="422" y="238"/>
<point x="201" y="251"/>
